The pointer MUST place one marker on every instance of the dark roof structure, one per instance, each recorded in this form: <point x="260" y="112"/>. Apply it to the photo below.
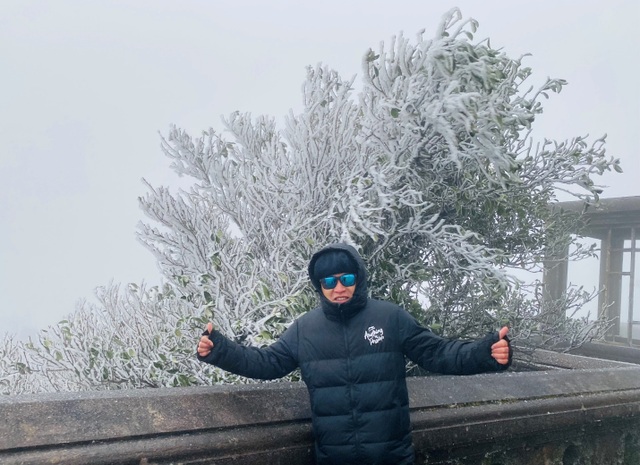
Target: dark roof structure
<point x="616" y="213"/>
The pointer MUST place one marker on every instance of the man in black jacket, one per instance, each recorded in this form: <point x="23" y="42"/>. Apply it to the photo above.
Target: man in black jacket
<point x="351" y="352"/>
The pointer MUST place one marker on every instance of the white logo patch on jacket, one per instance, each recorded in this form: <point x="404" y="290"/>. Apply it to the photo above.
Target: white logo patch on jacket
<point x="373" y="335"/>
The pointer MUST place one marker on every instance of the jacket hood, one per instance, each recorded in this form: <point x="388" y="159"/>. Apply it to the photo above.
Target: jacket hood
<point x="359" y="299"/>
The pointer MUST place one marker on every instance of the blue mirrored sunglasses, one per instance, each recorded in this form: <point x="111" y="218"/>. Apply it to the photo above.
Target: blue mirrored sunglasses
<point x="346" y="280"/>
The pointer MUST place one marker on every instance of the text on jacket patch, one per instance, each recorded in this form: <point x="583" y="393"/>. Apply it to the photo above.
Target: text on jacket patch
<point x="373" y="335"/>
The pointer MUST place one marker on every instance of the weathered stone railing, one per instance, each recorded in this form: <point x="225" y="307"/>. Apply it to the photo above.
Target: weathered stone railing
<point x="588" y="414"/>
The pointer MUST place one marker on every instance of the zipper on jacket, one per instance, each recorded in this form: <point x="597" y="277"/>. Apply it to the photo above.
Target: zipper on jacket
<point x="350" y="381"/>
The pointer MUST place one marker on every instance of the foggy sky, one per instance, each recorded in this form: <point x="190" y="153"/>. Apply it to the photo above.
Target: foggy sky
<point x="86" y="88"/>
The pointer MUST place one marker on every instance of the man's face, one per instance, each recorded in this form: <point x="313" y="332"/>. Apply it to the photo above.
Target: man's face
<point x="339" y="294"/>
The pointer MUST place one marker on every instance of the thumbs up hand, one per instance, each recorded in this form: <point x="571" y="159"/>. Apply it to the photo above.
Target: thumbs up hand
<point x="500" y="350"/>
<point x="205" y="344"/>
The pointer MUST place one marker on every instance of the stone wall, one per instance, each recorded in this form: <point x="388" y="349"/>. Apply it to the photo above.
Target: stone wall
<point x="573" y="410"/>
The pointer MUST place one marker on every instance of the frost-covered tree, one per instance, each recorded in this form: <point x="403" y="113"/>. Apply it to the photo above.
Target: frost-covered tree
<point x="14" y="370"/>
<point x="430" y="170"/>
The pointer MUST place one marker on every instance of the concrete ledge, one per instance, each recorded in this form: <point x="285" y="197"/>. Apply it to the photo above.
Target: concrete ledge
<point x="504" y="412"/>
<point x="609" y="352"/>
<point x="452" y="416"/>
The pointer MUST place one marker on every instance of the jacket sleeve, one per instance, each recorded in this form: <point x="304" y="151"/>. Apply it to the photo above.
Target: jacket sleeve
<point x="275" y="361"/>
<point x="447" y="356"/>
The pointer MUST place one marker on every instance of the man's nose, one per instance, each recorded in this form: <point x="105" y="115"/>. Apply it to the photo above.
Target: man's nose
<point x="339" y="287"/>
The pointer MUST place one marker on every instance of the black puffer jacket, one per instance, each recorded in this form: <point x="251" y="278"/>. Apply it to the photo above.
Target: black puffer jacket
<point x="352" y="359"/>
